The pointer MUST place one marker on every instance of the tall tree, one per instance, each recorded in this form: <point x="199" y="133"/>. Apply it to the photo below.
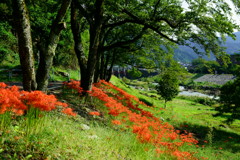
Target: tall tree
<point x="47" y="45"/>
<point x="200" y="23"/>
<point x="23" y="28"/>
<point x="77" y="30"/>
<point x="168" y="86"/>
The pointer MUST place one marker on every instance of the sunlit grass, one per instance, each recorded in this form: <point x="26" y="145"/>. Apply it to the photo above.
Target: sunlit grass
<point x="186" y="114"/>
<point x="72" y="138"/>
<point x="94" y="137"/>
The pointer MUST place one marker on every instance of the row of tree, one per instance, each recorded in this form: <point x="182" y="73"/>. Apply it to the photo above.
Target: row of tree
<point x="106" y="32"/>
<point x="203" y="66"/>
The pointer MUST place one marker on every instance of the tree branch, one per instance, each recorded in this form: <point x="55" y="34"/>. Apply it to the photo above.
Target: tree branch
<point x="84" y="12"/>
<point x="145" y="24"/>
<point x="123" y="43"/>
<point x="155" y="9"/>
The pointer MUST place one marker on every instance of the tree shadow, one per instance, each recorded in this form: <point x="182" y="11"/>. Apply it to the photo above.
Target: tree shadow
<point x="219" y="136"/>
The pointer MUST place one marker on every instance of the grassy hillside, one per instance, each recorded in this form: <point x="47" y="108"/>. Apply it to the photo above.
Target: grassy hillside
<point x="96" y="134"/>
<point x="217" y="140"/>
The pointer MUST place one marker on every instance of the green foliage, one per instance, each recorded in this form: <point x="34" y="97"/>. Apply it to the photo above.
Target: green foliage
<point x="168" y="86"/>
<point x="8" y="44"/>
<point x="135" y="73"/>
<point x="204" y="67"/>
<point x="230" y="100"/>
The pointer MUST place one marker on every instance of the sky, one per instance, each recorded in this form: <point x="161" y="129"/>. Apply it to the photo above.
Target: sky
<point x="235" y="17"/>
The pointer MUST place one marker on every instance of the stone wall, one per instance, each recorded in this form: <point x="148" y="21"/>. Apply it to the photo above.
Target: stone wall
<point x="216" y="78"/>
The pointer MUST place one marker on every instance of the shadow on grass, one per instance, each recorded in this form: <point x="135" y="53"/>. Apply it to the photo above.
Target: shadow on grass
<point x="219" y="136"/>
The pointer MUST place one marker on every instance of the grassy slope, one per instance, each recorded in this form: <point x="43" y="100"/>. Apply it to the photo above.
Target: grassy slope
<point x="72" y="138"/>
<point x="68" y="138"/>
<point x="222" y="142"/>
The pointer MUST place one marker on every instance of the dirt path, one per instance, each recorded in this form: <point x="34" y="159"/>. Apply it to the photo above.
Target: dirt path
<point x="51" y="85"/>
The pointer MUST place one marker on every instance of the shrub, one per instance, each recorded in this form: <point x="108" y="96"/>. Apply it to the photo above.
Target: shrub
<point x="230" y="100"/>
<point x="168" y="86"/>
<point x="205" y="101"/>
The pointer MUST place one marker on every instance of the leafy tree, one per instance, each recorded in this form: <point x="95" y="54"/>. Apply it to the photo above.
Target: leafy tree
<point x="48" y="40"/>
<point x="201" y="65"/>
<point x="135" y="73"/>
<point x="168" y="86"/>
<point x="201" y="23"/>
<point x="22" y="25"/>
<point x="230" y="100"/>
<point x="117" y="27"/>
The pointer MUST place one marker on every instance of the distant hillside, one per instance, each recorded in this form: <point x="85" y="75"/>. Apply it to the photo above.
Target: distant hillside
<point x="186" y="54"/>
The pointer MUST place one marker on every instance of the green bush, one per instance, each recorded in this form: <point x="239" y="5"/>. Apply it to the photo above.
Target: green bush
<point x="168" y="86"/>
<point x="205" y="101"/>
<point x="230" y="100"/>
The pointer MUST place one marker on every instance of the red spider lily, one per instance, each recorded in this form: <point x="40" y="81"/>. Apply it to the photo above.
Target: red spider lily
<point x="69" y="111"/>
<point x="16" y="101"/>
<point x="116" y="122"/>
<point x="94" y="113"/>
<point x="147" y="127"/>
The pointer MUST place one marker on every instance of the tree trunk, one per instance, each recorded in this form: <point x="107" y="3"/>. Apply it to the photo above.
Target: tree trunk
<point x="105" y="69"/>
<point x="102" y="68"/>
<point x="95" y="36"/>
<point x="97" y="71"/>
<point x="109" y="71"/>
<point x="49" y="47"/>
<point x="78" y="47"/>
<point x="23" y="28"/>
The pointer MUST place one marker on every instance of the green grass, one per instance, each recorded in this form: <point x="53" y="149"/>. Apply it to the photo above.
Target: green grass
<point x="56" y="76"/>
<point x="223" y="141"/>
<point x="72" y="138"/>
<point x="95" y="138"/>
<point x="63" y="137"/>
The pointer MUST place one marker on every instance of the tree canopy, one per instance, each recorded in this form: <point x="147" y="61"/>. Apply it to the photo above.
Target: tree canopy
<point x="134" y="32"/>
<point x="168" y="86"/>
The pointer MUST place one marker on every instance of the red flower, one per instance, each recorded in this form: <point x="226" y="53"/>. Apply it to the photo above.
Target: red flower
<point x="147" y="127"/>
<point x="116" y="122"/>
<point x="94" y="113"/>
<point x="2" y="85"/>
<point x="69" y="111"/>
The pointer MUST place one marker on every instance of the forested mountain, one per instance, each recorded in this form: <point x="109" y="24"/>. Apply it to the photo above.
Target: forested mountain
<point x="186" y="54"/>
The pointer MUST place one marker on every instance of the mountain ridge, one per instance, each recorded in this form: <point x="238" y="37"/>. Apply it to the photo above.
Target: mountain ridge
<point x="185" y="54"/>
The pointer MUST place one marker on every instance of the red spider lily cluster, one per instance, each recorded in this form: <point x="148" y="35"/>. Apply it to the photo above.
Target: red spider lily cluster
<point x="126" y="110"/>
<point x="18" y="102"/>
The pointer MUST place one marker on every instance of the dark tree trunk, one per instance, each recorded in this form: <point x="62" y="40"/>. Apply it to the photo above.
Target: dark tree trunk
<point x="78" y="47"/>
<point x="23" y="28"/>
<point x="95" y="36"/>
<point x="97" y="71"/>
<point x="49" y="47"/>
<point x="100" y="58"/>
<point x="109" y="71"/>
<point x="102" y="67"/>
<point x="105" y="67"/>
